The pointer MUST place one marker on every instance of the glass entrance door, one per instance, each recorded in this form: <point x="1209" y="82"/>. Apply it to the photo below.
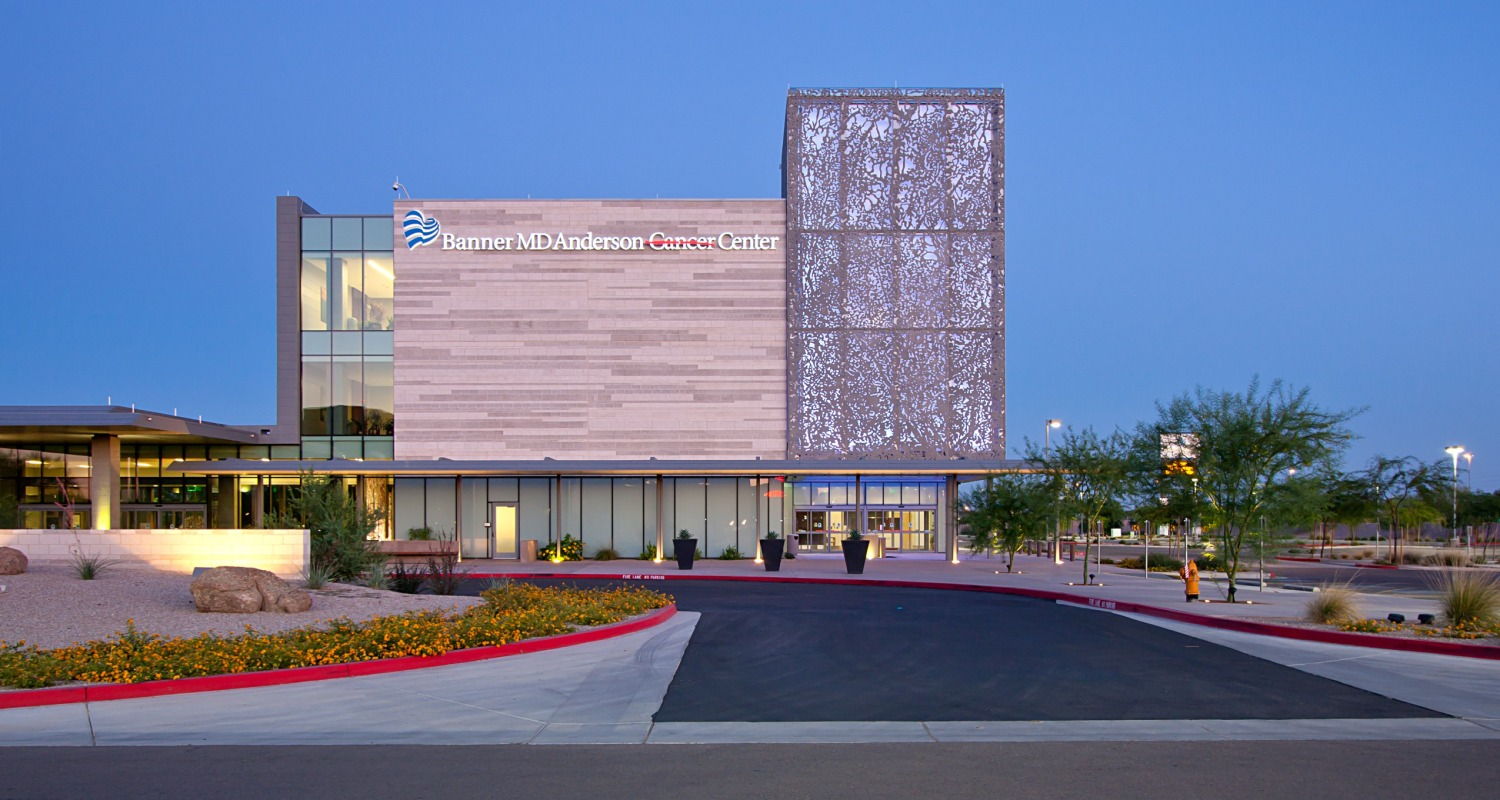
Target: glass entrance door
<point x="503" y="543"/>
<point x="903" y="529"/>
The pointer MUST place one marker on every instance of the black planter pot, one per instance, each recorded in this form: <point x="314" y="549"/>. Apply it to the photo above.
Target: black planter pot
<point x="684" y="550"/>
<point x="770" y="552"/>
<point x="855" y="551"/>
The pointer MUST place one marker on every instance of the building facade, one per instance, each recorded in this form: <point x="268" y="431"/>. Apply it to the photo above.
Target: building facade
<point x="613" y="370"/>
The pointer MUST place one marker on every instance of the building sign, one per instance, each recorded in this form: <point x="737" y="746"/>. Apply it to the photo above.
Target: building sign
<point x="421" y="230"/>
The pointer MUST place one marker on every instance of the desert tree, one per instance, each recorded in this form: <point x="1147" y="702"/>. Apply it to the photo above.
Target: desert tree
<point x="1398" y="486"/>
<point x="1089" y="473"/>
<point x="1005" y="511"/>
<point x="1246" y="443"/>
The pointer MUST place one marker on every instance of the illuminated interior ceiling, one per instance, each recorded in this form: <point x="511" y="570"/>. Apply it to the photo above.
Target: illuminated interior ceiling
<point x="895" y="227"/>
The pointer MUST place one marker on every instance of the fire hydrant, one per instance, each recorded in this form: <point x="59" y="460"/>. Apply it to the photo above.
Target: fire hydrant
<point x="1189" y="575"/>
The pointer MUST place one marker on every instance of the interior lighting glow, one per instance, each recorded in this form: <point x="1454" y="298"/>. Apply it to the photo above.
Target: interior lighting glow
<point x="375" y="265"/>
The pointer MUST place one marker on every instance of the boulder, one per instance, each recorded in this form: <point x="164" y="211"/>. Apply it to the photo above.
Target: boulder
<point x="246" y="590"/>
<point x="12" y="561"/>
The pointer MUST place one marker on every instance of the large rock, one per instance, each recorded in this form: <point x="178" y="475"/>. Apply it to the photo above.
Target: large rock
<point x="12" y="561"/>
<point x="246" y="590"/>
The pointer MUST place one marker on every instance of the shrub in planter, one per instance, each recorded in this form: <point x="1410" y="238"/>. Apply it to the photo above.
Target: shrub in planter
<point x="684" y="549"/>
<point x="771" y="549"/>
<point x="570" y="548"/>
<point x="856" y="550"/>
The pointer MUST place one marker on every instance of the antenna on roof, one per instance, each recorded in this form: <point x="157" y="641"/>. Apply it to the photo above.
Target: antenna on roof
<point x="398" y="188"/>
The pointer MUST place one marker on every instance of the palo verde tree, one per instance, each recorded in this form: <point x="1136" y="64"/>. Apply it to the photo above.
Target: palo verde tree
<point x="339" y="527"/>
<point x="1089" y="474"/>
<point x="1398" y="486"/>
<point x="1246" y="443"/>
<point x="1005" y="512"/>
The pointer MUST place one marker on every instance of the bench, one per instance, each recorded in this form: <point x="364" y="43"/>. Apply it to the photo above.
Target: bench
<point x="406" y="551"/>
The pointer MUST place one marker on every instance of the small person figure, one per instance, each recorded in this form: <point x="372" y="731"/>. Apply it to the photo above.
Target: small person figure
<point x="1189" y="575"/>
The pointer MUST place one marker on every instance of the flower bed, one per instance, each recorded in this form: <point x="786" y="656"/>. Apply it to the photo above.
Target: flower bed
<point x="509" y="614"/>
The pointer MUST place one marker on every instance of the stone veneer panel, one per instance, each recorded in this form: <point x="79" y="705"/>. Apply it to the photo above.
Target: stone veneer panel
<point x="608" y="355"/>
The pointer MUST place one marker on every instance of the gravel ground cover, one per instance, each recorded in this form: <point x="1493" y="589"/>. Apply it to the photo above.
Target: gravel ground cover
<point x="50" y="607"/>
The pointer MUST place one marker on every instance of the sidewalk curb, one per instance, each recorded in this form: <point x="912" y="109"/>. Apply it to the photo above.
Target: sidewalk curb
<point x="1431" y="646"/>
<point x="94" y="693"/>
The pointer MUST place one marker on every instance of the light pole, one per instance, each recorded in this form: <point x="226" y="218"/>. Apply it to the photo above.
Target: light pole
<point x="1455" y="450"/>
<point x="1469" y="538"/>
<point x="1057" y="515"/>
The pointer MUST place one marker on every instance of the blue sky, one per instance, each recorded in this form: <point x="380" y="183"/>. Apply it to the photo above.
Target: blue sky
<point x="1197" y="192"/>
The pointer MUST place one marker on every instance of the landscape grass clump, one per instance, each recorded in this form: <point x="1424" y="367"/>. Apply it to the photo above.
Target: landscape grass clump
<point x="1332" y="604"/>
<point x="1447" y="558"/>
<point x="88" y="567"/>
<point x="508" y="614"/>
<point x="1469" y="598"/>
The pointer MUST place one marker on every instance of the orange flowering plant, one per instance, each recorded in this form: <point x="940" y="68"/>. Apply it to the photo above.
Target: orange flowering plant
<point x="510" y="613"/>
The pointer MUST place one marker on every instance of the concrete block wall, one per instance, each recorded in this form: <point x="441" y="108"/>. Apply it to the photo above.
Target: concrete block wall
<point x="284" y="552"/>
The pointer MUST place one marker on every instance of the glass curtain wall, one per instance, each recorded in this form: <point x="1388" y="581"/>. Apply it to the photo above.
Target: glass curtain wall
<point x="347" y="317"/>
<point x="606" y="514"/>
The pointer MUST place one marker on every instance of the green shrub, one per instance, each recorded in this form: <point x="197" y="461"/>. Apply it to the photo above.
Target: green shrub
<point x="730" y="553"/>
<point x="404" y="579"/>
<point x="1469" y="597"/>
<point x="606" y="554"/>
<point x="649" y="554"/>
<point x="339" y="527"/>
<point x="571" y="549"/>
<point x="1332" y="604"/>
<point x="422" y="534"/>
<point x="1160" y="562"/>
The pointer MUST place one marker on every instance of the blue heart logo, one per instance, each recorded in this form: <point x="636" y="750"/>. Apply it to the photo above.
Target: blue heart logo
<point x="419" y="229"/>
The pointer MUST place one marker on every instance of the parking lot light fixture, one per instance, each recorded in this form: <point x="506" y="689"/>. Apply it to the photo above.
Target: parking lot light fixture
<point x="1455" y="450"/>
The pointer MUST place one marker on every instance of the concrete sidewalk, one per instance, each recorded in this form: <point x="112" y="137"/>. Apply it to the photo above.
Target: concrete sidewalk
<point x="1159" y="589"/>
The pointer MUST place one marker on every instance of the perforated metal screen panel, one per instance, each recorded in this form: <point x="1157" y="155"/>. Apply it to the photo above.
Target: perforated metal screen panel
<point x="895" y="273"/>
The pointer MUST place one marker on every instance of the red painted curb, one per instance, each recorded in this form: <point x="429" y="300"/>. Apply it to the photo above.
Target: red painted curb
<point x="22" y="698"/>
<point x="1313" y="560"/>
<point x="1434" y="646"/>
<point x="1377" y="566"/>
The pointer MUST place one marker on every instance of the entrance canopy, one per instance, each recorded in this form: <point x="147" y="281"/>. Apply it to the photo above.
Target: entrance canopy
<point x="965" y="469"/>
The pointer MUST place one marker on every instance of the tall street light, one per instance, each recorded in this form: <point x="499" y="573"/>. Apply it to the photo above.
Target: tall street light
<point x="1057" y="518"/>
<point x="1469" y="457"/>
<point x="1455" y="450"/>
